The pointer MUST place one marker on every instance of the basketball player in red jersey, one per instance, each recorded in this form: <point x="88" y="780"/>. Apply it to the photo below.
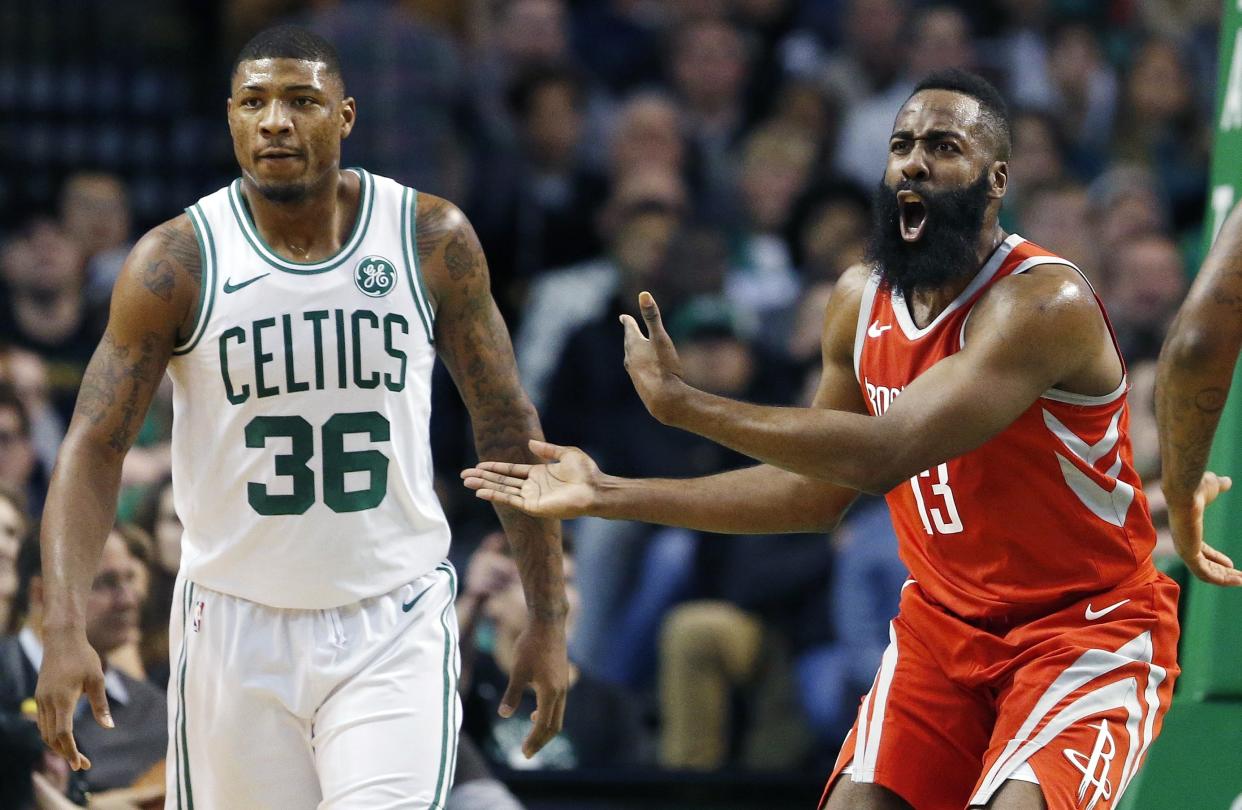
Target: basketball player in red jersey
<point x="973" y="378"/>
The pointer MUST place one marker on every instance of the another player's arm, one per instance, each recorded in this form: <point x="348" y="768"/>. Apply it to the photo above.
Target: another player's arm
<point x="1193" y="378"/>
<point x="1030" y="333"/>
<point x="474" y="344"/>
<point x="156" y="293"/>
<point x="761" y="499"/>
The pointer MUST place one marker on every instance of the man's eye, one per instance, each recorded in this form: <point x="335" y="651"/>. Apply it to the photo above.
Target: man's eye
<point x="250" y="103"/>
<point x="898" y="146"/>
<point x="945" y="146"/>
<point x="304" y="101"/>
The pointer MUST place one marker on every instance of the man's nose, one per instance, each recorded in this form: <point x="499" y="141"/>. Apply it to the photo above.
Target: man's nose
<point x="276" y="120"/>
<point x="915" y="165"/>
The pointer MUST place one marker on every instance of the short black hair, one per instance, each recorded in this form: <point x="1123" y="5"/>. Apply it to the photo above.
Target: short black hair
<point x="995" y="110"/>
<point x="290" y="42"/>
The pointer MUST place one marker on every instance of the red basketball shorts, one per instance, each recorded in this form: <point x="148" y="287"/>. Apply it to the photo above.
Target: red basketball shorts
<point x="1071" y="700"/>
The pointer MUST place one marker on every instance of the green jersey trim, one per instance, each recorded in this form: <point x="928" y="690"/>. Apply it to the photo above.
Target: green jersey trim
<point x="206" y="282"/>
<point x="449" y="721"/>
<point x="409" y="247"/>
<point x="182" y="768"/>
<point x="246" y="222"/>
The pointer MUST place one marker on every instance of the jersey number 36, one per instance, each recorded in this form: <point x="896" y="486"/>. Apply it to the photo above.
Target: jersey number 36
<point x="335" y="463"/>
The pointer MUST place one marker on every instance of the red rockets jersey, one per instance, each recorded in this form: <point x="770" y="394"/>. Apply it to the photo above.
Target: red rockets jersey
<point x="1045" y="512"/>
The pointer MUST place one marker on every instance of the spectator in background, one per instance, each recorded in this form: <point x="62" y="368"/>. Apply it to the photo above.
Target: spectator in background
<point x="94" y="212"/>
<point x="872" y="53"/>
<point x="602" y="725"/>
<point x="45" y="309"/>
<point x="940" y="39"/>
<point x="122" y="754"/>
<point x="14" y="527"/>
<point x="415" y="93"/>
<point x="27" y="373"/>
<point x="1160" y="127"/>
<point x="18" y="468"/>
<point x="542" y="213"/>
<point x="648" y="137"/>
<point x="708" y="68"/>
<point x="1086" y="95"/>
<point x="638" y="223"/>
<point x="1038" y="159"/>
<point x="1057" y="216"/>
<point x="1146" y="282"/>
<point x="1126" y="203"/>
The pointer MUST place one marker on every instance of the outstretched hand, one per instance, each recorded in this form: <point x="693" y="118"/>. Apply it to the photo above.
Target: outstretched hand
<point x="652" y="361"/>
<point x="1186" y="524"/>
<point x="540" y="663"/>
<point x="565" y="487"/>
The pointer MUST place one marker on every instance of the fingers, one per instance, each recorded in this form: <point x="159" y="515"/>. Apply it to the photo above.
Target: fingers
<point x="502" y="498"/>
<point x="547" y="450"/>
<point x="520" y="471"/>
<point x="512" y="696"/>
<point x="486" y="477"/>
<point x="651" y="315"/>
<point x="632" y="332"/>
<point x="1217" y="556"/>
<point x="99" y="702"/>
<point x="58" y="734"/>
<point x="545" y="721"/>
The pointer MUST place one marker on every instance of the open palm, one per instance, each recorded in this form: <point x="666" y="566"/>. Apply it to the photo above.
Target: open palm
<point x="565" y="487"/>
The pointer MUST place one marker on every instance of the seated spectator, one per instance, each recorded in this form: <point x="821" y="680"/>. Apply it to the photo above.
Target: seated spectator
<point x="122" y="754"/>
<point x="601" y="723"/>
<point x="14" y="524"/>
<point x="94" y="211"/>
<point x="18" y="469"/>
<point x="1054" y="216"/>
<point x="638" y="222"/>
<point x="537" y="210"/>
<point x="45" y="309"/>
<point x="28" y="374"/>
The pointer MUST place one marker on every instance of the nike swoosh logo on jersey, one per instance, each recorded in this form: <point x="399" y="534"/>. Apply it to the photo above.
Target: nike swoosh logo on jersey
<point x="230" y="287"/>
<point x="408" y="606"/>
<point x="875" y="330"/>
<point x="1092" y="615"/>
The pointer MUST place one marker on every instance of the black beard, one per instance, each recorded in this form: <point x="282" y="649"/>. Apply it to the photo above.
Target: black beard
<point x="288" y="193"/>
<point x="949" y="246"/>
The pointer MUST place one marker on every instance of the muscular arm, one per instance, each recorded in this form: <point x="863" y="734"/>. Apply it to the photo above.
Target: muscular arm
<point x="1030" y="333"/>
<point x="155" y="294"/>
<point x="474" y="344"/>
<point x="1197" y="363"/>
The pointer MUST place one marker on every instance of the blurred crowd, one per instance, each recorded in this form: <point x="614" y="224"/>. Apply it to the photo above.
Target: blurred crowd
<point x="720" y="153"/>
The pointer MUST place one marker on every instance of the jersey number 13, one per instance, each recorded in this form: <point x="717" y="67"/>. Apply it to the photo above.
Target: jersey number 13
<point x="938" y="508"/>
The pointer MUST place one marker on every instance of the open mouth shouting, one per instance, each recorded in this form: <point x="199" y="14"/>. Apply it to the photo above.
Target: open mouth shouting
<point x="912" y="215"/>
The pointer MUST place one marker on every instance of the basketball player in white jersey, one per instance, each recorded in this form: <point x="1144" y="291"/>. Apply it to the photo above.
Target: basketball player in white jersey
<point x="299" y="312"/>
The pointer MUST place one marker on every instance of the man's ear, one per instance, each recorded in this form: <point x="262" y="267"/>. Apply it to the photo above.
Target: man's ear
<point x="999" y="179"/>
<point x="349" y="114"/>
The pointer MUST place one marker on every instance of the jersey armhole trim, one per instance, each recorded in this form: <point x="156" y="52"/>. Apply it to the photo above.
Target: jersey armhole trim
<point x="207" y="279"/>
<point x="1069" y="397"/>
<point x="409" y="247"/>
<point x="864" y="315"/>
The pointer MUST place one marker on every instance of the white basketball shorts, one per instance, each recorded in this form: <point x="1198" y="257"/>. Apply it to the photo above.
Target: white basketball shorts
<point x="353" y="707"/>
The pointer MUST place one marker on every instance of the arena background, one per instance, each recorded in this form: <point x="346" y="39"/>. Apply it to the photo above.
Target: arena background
<point x="741" y="139"/>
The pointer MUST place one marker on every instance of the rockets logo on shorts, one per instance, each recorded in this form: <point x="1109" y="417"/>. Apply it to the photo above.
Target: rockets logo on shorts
<point x="199" y="607"/>
<point x="1094" y="768"/>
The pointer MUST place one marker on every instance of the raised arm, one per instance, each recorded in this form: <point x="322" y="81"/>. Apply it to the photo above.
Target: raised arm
<point x="1028" y="334"/>
<point x="1193" y="379"/>
<point x="474" y="344"/>
<point x="755" y="500"/>
<point x="156" y="293"/>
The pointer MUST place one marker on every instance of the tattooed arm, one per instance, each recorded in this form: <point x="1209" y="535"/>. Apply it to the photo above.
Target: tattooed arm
<point x="473" y="343"/>
<point x="1193" y="377"/>
<point x="156" y="293"/>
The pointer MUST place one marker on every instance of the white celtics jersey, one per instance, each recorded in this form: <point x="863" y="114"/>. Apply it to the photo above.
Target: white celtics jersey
<point x="301" y="454"/>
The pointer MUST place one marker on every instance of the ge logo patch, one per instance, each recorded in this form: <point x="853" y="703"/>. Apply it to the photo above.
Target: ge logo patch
<point x="375" y="276"/>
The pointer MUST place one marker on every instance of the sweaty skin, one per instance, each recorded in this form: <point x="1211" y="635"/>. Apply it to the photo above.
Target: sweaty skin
<point x="287" y="118"/>
<point x="1193" y="378"/>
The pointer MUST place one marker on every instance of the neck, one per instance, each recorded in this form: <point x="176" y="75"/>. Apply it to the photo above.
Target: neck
<point x="295" y="230"/>
<point x="926" y="305"/>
